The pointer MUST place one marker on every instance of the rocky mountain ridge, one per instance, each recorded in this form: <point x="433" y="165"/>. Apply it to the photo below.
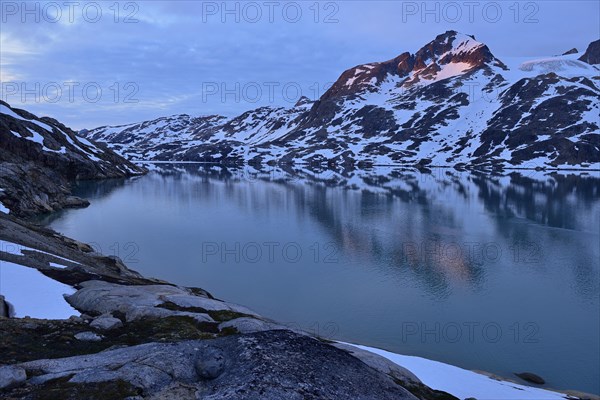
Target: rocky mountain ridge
<point x="48" y="155"/>
<point x="452" y="103"/>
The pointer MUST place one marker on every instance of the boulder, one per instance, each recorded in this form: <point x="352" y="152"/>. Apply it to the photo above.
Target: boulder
<point x="106" y="322"/>
<point x="210" y="363"/>
<point x="11" y="376"/>
<point x="88" y="337"/>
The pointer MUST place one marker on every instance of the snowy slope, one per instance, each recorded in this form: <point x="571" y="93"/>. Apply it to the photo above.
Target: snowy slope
<point x="212" y="138"/>
<point x="31" y="138"/>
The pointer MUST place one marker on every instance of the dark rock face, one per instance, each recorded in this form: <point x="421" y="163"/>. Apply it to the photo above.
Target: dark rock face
<point x="572" y="51"/>
<point x="592" y="54"/>
<point x="4" y="308"/>
<point x="452" y="103"/>
<point x="48" y="156"/>
<point x="45" y="191"/>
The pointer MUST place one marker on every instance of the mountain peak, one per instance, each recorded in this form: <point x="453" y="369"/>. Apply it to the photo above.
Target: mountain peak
<point x="448" y="55"/>
<point x="454" y="47"/>
<point x="457" y="40"/>
<point x="303" y="101"/>
<point x="572" y="51"/>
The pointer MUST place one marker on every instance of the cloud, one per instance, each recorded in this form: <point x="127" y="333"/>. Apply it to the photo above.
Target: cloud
<point x="164" y="53"/>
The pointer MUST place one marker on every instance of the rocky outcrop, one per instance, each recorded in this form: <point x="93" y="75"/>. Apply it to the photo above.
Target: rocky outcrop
<point x="11" y="376"/>
<point x="39" y="247"/>
<point x="592" y="53"/>
<point x="150" y="301"/>
<point x="40" y="157"/>
<point x="48" y="192"/>
<point x="266" y="365"/>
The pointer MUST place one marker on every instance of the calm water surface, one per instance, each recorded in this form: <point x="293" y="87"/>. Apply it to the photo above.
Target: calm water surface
<point x="497" y="273"/>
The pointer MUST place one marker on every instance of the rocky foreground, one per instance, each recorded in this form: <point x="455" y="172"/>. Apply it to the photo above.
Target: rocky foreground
<point x="143" y="338"/>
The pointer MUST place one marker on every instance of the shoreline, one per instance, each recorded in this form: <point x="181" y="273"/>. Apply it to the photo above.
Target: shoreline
<point x="471" y="168"/>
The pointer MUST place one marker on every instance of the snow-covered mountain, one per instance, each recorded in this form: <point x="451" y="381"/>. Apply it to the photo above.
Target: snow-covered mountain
<point x="452" y="103"/>
<point x="40" y="156"/>
<point x="212" y="138"/>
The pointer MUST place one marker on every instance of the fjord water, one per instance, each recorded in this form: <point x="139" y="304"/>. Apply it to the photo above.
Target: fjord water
<point x="488" y="272"/>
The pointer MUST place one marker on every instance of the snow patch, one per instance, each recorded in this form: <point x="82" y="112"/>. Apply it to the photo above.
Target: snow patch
<point x="9" y="112"/>
<point x="463" y="383"/>
<point x="34" y="294"/>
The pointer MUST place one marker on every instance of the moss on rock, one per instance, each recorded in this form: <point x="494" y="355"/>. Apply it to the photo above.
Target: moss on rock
<point x="64" y="390"/>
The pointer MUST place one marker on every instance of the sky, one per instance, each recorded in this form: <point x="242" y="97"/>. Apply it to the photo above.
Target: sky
<point x="94" y="63"/>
